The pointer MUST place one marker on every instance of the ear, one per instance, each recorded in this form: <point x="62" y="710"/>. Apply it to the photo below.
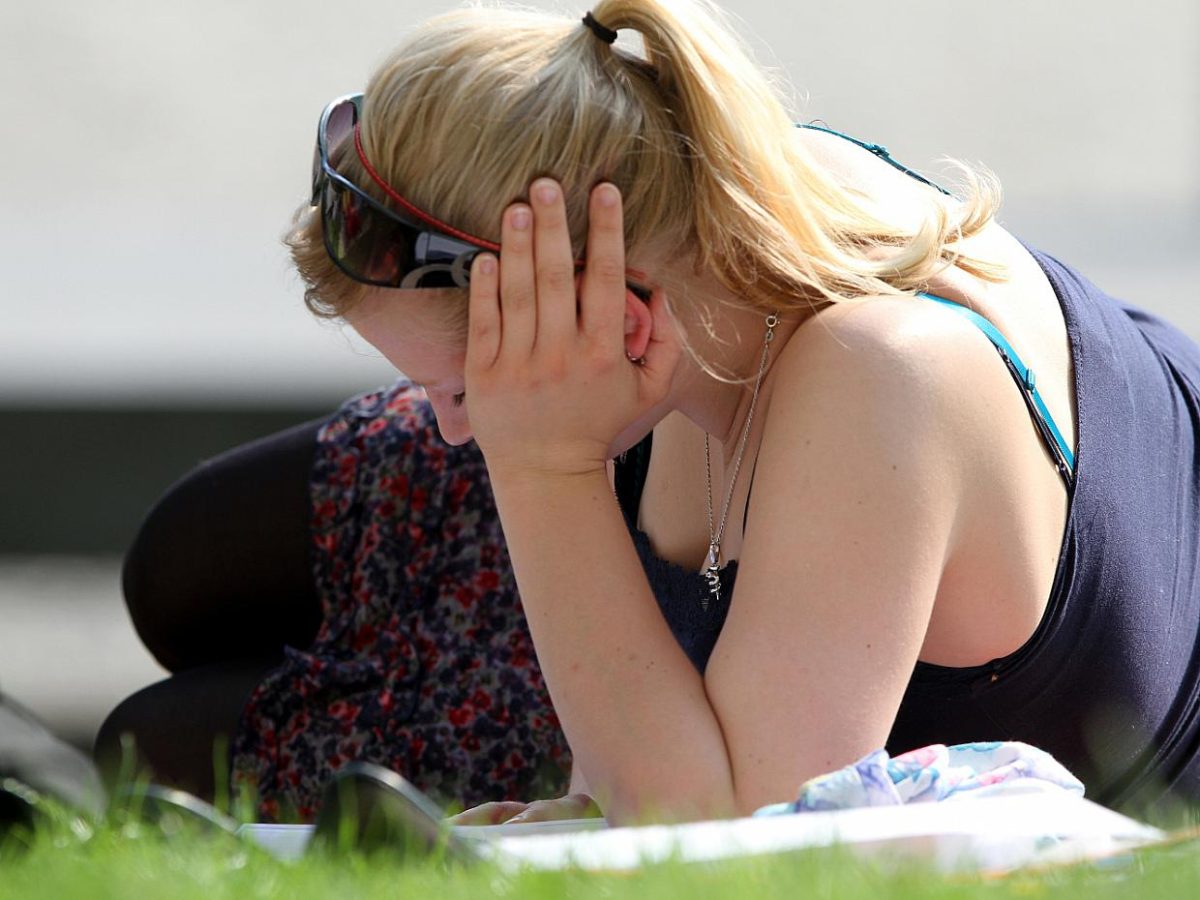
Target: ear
<point x="638" y="324"/>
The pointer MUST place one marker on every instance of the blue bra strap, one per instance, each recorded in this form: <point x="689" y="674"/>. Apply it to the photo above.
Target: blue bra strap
<point x="1064" y="459"/>
<point x="880" y="151"/>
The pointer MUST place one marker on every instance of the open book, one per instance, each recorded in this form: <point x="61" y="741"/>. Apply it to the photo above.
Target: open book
<point x="991" y="834"/>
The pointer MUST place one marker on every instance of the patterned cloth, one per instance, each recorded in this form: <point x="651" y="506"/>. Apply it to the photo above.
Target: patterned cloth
<point x="932" y="774"/>
<point x="423" y="662"/>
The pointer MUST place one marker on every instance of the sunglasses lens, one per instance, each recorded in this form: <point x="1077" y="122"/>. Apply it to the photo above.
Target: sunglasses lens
<point x="367" y="241"/>
<point x="364" y="242"/>
<point x="340" y="125"/>
<point x="335" y="126"/>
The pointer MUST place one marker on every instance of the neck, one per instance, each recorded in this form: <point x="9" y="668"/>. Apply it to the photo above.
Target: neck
<point x="733" y="348"/>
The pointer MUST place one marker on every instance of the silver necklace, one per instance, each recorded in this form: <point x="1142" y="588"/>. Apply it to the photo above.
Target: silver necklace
<point x="712" y="573"/>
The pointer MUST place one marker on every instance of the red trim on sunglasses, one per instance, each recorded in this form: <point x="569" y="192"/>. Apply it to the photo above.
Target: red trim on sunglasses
<point x="414" y="210"/>
<point x="433" y="222"/>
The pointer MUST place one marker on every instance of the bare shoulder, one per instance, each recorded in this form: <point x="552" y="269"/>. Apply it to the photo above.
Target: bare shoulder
<point x="883" y="406"/>
<point x="913" y="370"/>
<point x="867" y="411"/>
<point x="900" y="357"/>
<point x="909" y="415"/>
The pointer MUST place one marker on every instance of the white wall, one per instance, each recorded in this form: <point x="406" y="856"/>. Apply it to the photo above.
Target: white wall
<point x="154" y="149"/>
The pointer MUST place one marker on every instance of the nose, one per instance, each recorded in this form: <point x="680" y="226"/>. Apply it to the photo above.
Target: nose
<point x="453" y="424"/>
<point x="454" y="436"/>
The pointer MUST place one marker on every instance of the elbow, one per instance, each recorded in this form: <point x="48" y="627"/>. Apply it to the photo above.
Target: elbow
<point x="651" y="801"/>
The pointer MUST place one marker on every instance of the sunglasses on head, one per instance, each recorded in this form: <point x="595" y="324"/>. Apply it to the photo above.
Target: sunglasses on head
<point x="378" y="245"/>
<point x="371" y="243"/>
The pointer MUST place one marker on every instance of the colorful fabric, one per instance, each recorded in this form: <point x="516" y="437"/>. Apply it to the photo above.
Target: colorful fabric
<point x="932" y="774"/>
<point x="423" y="662"/>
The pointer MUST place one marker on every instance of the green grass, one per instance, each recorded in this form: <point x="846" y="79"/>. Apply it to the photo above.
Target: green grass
<point x="69" y="858"/>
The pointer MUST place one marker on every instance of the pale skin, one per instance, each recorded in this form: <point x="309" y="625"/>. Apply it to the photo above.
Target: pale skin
<point x="903" y="507"/>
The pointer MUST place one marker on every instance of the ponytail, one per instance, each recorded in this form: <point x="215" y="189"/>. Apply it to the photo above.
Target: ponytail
<point x="480" y="101"/>
<point x="776" y="228"/>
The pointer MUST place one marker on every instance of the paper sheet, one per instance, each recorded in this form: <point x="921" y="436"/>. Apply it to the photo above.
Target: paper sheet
<point x="995" y="834"/>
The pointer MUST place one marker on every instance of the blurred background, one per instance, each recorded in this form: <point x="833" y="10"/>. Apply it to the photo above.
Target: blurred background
<point x="154" y="151"/>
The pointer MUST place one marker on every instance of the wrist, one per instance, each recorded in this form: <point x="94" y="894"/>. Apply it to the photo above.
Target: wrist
<point x="534" y="476"/>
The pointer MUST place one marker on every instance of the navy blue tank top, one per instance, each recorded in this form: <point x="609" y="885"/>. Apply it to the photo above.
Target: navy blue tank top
<point x="1110" y="681"/>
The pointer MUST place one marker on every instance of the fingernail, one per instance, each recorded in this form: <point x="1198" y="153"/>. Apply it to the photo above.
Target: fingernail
<point x="487" y="265"/>
<point x="546" y="191"/>
<point x="607" y="195"/>
<point x="520" y="218"/>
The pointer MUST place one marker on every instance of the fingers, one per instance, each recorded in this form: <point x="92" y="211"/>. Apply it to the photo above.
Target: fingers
<point x="537" y="274"/>
<point x="483" y="316"/>
<point x="518" y="293"/>
<point x="573" y="806"/>
<point x="602" y="304"/>
<point x="488" y="813"/>
<point x="554" y="264"/>
<point x="532" y="303"/>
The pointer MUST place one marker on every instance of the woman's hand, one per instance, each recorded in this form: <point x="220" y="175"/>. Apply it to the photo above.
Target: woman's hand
<point x="573" y="806"/>
<point x="549" y="385"/>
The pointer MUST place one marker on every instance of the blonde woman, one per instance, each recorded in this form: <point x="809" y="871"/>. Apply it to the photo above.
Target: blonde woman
<point x="858" y="524"/>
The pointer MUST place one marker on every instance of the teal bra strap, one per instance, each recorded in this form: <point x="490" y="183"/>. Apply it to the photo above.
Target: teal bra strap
<point x="882" y="152"/>
<point x="1064" y="459"/>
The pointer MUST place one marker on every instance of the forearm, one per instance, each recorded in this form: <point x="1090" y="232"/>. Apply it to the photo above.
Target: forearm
<point x="578" y="784"/>
<point x="632" y="705"/>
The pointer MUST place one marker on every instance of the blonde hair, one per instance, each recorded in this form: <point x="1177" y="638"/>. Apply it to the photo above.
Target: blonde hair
<point x="479" y="102"/>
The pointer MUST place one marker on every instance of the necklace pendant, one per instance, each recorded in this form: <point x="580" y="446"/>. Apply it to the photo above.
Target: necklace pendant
<point x="712" y="575"/>
<point x="712" y="572"/>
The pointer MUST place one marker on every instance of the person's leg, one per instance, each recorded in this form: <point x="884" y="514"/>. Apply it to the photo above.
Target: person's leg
<point x="221" y="568"/>
<point x="218" y="580"/>
<point x="179" y="725"/>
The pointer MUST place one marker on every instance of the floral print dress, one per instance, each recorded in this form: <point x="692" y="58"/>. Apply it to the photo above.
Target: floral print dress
<point x="423" y="662"/>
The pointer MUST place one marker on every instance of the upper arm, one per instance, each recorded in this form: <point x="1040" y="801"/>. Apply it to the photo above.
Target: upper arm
<point x="855" y="499"/>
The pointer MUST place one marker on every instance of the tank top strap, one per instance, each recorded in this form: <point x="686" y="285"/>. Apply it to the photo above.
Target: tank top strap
<point x="1026" y="379"/>
<point x="878" y="150"/>
<point x="1060" y="450"/>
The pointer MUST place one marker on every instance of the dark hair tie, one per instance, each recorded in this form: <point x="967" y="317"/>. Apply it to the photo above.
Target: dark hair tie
<point x="605" y="34"/>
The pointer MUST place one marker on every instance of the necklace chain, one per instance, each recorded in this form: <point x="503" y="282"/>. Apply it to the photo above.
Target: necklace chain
<point x="715" y="536"/>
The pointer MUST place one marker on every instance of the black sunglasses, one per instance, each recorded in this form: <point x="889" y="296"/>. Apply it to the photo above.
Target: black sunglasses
<point x="368" y="241"/>
<point x="377" y="245"/>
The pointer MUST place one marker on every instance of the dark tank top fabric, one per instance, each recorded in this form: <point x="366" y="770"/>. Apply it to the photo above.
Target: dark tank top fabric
<point x="1110" y="681"/>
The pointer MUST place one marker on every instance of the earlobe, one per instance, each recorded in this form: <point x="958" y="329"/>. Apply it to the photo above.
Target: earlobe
<point x="639" y="323"/>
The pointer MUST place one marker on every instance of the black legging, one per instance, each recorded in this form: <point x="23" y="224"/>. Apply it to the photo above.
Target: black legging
<point x="218" y="580"/>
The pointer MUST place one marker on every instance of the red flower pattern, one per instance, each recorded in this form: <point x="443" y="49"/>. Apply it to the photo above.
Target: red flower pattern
<point x="423" y="662"/>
